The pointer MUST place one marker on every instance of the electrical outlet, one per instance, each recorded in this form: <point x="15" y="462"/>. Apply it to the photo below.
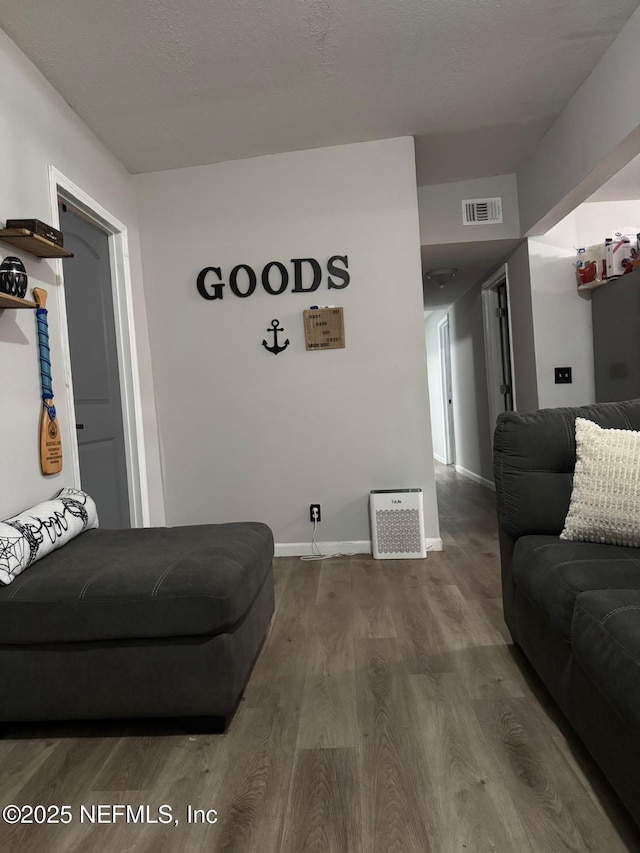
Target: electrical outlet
<point x="314" y="512"/>
<point x="563" y="375"/>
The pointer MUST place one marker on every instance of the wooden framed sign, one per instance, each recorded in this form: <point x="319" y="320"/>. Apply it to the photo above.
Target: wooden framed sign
<point x="324" y="328"/>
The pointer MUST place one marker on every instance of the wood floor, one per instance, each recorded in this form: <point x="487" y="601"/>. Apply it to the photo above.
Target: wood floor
<point x="386" y="713"/>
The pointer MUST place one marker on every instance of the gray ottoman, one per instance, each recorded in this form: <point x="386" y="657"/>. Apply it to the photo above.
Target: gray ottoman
<point x="155" y="622"/>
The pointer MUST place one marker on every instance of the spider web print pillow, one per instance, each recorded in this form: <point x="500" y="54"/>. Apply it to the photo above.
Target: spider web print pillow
<point x="32" y="534"/>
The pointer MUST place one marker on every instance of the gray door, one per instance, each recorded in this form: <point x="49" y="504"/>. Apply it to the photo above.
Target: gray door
<point x="94" y="366"/>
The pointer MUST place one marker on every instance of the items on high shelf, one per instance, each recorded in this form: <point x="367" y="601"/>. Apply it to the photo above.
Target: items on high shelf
<point x="38" y="239"/>
<point x="617" y="256"/>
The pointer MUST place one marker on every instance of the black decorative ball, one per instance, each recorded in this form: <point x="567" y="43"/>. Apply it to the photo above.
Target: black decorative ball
<point x="13" y="277"/>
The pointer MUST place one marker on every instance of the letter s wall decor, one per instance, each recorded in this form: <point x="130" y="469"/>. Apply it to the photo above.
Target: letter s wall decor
<point x="306" y="274"/>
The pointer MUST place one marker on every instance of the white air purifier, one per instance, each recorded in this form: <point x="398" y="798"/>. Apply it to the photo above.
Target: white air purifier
<point x="397" y="524"/>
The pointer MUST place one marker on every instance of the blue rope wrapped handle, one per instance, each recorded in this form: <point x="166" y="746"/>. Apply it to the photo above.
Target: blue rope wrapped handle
<point x="45" y="361"/>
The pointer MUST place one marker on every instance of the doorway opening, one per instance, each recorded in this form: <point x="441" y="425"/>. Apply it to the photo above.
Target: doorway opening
<point x="94" y="367"/>
<point x="133" y="500"/>
<point x="498" y="345"/>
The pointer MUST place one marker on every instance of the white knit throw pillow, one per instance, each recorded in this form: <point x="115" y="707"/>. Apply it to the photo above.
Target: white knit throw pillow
<point x="605" y="499"/>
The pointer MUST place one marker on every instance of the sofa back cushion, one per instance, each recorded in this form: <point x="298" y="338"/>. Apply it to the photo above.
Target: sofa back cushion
<point x="534" y="458"/>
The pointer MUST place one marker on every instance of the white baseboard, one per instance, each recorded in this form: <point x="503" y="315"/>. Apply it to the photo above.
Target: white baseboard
<point x="301" y="549"/>
<point x="475" y="477"/>
<point x="439" y="459"/>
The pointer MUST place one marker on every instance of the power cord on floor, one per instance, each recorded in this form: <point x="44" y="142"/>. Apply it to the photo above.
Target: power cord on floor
<point x="316" y="554"/>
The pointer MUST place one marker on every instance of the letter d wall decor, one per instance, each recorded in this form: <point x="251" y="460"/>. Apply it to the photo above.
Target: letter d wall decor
<point x="299" y="275"/>
<point x="305" y="275"/>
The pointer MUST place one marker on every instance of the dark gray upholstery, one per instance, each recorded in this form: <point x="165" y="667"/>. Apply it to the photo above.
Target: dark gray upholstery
<point x="535" y="455"/>
<point x="162" y="582"/>
<point x="572" y="607"/>
<point x="551" y="573"/>
<point x="158" y="622"/>
<point x="605" y="638"/>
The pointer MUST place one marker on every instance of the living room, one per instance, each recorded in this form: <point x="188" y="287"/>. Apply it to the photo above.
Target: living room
<point x="216" y="428"/>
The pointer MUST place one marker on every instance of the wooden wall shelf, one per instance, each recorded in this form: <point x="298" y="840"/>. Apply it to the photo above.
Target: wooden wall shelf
<point x="36" y="245"/>
<point x="7" y="301"/>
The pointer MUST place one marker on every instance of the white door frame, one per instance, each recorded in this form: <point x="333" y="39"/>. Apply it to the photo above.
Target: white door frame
<point x="64" y="190"/>
<point x="492" y="348"/>
<point x="445" y="375"/>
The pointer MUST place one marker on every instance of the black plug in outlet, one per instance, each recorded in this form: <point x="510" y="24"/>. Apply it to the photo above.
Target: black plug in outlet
<point x="314" y="512"/>
<point x="563" y="376"/>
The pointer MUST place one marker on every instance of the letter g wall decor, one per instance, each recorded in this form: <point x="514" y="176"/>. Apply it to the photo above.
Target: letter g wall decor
<point x="307" y="275"/>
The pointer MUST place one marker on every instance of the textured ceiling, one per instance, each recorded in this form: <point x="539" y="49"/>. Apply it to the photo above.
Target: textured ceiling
<point x="167" y="84"/>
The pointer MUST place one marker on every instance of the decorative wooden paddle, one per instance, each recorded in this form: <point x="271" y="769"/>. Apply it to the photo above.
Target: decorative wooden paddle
<point x="50" y="443"/>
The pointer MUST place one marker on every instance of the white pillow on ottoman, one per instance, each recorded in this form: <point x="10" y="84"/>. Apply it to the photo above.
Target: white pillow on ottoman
<point x="27" y="537"/>
<point x="605" y="499"/>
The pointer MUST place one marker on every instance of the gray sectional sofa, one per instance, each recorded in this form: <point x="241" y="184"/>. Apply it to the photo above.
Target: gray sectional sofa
<point x="163" y="622"/>
<point x="572" y="607"/>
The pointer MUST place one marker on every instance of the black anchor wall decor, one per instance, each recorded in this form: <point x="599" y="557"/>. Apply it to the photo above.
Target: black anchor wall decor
<point x="276" y="348"/>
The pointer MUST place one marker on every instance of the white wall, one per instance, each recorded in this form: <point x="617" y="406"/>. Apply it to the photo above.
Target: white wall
<point x="596" y="220"/>
<point x="441" y="211"/>
<point x="473" y="428"/>
<point x="561" y="318"/>
<point x="522" y="334"/>
<point x="434" y="370"/>
<point x="246" y="434"/>
<point x="41" y="130"/>
<point x="594" y="136"/>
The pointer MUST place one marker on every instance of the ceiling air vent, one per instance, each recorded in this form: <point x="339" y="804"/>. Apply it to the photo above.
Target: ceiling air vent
<point x="481" y="211"/>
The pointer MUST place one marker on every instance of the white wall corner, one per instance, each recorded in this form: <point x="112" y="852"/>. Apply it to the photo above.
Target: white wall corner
<point x="440" y="211"/>
<point x="471" y="475"/>
<point x="579" y="153"/>
<point x="557" y="307"/>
